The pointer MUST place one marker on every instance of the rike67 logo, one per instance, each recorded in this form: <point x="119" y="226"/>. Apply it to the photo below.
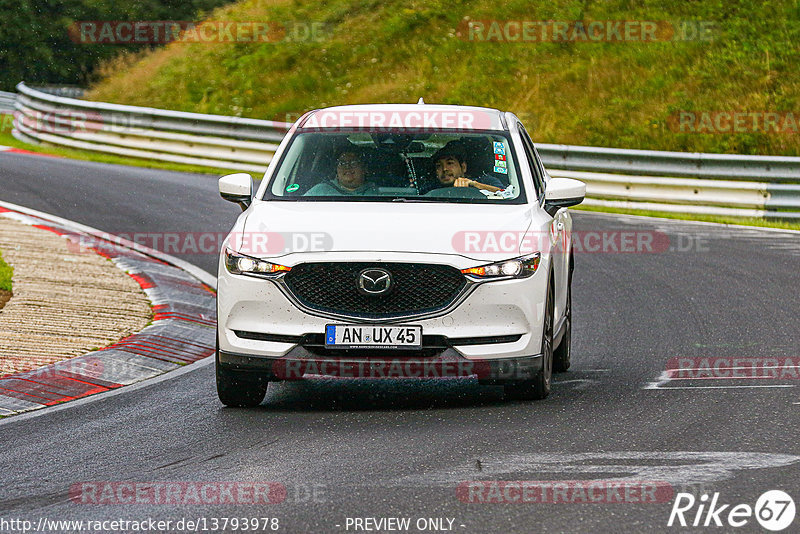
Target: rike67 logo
<point x="774" y="510"/>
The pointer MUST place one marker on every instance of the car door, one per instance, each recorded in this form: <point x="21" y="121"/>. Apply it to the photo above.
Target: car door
<point x="560" y="229"/>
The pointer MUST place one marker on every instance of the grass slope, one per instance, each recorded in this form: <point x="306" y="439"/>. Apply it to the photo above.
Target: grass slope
<point x="5" y="275"/>
<point x="589" y="93"/>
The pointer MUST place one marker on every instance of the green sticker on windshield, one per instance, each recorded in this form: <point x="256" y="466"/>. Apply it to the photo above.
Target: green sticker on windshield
<point x="292" y="188"/>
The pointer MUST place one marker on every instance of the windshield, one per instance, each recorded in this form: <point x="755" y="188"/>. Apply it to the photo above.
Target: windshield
<point x="453" y="166"/>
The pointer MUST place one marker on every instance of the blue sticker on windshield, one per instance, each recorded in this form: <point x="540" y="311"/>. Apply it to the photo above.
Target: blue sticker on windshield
<point x="501" y="170"/>
<point x="499" y="148"/>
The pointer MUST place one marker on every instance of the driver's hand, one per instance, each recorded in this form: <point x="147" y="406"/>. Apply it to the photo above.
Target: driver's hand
<point x="462" y="182"/>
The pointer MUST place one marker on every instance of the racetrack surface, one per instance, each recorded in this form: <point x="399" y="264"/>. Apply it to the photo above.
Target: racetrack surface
<point x="400" y="448"/>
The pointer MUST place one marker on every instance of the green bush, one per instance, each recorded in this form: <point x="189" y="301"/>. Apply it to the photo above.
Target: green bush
<point x="35" y="45"/>
<point x="5" y="275"/>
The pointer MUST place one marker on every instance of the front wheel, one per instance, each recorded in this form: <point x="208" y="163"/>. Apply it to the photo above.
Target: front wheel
<point x="238" y="389"/>
<point x="563" y="354"/>
<point x="538" y="387"/>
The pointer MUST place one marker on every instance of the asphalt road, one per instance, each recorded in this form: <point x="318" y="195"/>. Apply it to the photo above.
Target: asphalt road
<point x="379" y="449"/>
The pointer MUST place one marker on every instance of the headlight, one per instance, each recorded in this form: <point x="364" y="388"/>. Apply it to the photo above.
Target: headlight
<point x="517" y="268"/>
<point x="241" y="264"/>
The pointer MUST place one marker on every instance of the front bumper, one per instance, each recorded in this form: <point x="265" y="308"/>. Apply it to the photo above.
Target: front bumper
<point x="300" y="363"/>
<point x="496" y="320"/>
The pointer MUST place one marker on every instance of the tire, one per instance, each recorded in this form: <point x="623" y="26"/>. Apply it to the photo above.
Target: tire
<point x="563" y="354"/>
<point x="239" y="390"/>
<point x="538" y="387"/>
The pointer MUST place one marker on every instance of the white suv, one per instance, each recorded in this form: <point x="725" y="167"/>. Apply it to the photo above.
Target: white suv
<point x="398" y="240"/>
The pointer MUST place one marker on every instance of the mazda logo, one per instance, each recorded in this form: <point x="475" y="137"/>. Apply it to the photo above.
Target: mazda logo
<point x="374" y="281"/>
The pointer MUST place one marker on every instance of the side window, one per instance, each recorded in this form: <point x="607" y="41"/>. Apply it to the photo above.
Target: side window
<point x="530" y="153"/>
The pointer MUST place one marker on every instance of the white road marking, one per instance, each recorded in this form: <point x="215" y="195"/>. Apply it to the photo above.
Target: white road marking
<point x="733" y="368"/>
<point x="720" y="387"/>
<point x="663" y="378"/>
<point x="583" y="383"/>
<point x="666" y="376"/>
<point x="724" y="378"/>
<point x="676" y="468"/>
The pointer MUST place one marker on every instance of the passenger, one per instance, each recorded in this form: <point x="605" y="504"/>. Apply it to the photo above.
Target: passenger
<point x="350" y="172"/>
<point x="451" y="170"/>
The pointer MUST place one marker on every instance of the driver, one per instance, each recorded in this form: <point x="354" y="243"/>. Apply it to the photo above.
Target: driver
<point x="350" y="172"/>
<point x="451" y="169"/>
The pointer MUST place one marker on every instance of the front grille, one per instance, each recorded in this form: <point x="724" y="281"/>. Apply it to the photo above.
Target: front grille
<point x="333" y="288"/>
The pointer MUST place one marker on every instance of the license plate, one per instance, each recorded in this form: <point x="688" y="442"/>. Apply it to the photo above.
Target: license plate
<point x="346" y="336"/>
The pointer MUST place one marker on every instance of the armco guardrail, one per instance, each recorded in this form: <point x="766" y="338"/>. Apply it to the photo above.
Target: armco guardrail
<point x="717" y="184"/>
<point x="62" y="90"/>
<point x="686" y="195"/>
<point x="180" y="137"/>
<point x="660" y="163"/>
<point x="7" y="101"/>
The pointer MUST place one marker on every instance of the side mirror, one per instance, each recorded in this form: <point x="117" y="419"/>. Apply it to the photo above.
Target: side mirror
<point x="562" y="193"/>
<point x="237" y="187"/>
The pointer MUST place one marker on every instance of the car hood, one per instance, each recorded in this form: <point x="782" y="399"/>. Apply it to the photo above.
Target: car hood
<point x="481" y="232"/>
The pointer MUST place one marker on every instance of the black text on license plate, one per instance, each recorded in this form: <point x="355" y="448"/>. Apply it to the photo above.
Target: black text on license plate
<point x="349" y="336"/>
